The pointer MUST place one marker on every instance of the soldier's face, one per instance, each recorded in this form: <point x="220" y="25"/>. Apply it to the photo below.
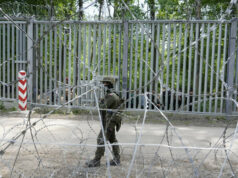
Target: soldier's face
<point x="106" y="84"/>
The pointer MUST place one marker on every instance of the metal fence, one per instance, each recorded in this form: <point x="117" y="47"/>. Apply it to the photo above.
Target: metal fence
<point x="186" y="66"/>
<point x="13" y="58"/>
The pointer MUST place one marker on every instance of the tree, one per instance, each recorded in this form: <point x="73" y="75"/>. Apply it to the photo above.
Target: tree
<point x="151" y="4"/>
<point x="100" y="8"/>
<point x="80" y="5"/>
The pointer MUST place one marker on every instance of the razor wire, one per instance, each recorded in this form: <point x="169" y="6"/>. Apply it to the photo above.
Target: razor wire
<point x="105" y="143"/>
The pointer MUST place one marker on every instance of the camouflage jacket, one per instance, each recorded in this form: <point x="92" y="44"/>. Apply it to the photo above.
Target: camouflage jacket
<point x="111" y="117"/>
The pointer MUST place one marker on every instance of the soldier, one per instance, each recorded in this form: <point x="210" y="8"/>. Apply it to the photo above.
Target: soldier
<point x="111" y="121"/>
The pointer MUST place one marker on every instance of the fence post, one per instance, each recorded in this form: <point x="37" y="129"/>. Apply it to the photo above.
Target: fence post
<point x="125" y="60"/>
<point x="30" y="59"/>
<point x="231" y="64"/>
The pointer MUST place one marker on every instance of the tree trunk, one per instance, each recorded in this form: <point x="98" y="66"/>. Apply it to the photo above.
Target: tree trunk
<point x="198" y="9"/>
<point x="151" y="4"/>
<point x="100" y="8"/>
<point x="116" y="9"/>
<point x="198" y="17"/>
<point x="80" y="4"/>
<point x="51" y="9"/>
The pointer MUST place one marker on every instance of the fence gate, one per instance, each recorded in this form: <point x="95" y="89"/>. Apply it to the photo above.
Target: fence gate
<point x="186" y="66"/>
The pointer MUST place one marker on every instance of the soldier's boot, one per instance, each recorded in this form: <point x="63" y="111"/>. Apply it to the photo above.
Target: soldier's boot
<point x="93" y="163"/>
<point x="116" y="152"/>
<point x="115" y="162"/>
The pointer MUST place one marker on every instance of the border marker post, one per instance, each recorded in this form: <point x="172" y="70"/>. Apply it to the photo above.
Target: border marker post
<point x="22" y="90"/>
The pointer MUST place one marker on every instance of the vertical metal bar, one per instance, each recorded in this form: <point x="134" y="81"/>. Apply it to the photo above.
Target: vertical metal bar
<point x="195" y="67"/>
<point x="1" y="52"/>
<point x="114" y="50"/>
<point x="89" y="60"/>
<point x="30" y="60"/>
<point x="119" y="55"/>
<point x="130" y="71"/>
<point x="206" y="69"/>
<point x="8" y="59"/>
<point x="152" y="94"/>
<point x="212" y="68"/>
<point x="157" y="59"/>
<point x="13" y="59"/>
<point x="162" y="68"/>
<point x="99" y="48"/>
<point x="46" y="70"/>
<point x="125" y="61"/>
<point x="4" y="58"/>
<point x="20" y="48"/>
<point x="223" y="67"/>
<point x="141" y="64"/>
<point x="99" y="54"/>
<point x="218" y="66"/>
<point x="173" y="70"/>
<point x="69" y="64"/>
<point x="201" y="67"/>
<point x="24" y="50"/>
<point x="37" y="47"/>
<point x="167" y="68"/>
<point x="74" y="63"/>
<point x="184" y="64"/>
<point x="55" y="65"/>
<point x="235" y="107"/>
<point x="109" y="49"/>
<point x="79" y="89"/>
<point x="135" y="71"/>
<point x="94" y="46"/>
<point x="64" y="63"/>
<point x="104" y="47"/>
<point x="41" y="64"/>
<point x="178" y="68"/>
<point x="60" y="63"/>
<point x="17" y="58"/>
<point x="84" y="59"/>
<point x="231" y="64"/>
<point x="50" y="68"/>
<point x="189" y="66"/>
<point x="94" y="57"/>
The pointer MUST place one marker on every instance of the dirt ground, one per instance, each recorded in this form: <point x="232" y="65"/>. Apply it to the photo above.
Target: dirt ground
<point x="59" y="146"/>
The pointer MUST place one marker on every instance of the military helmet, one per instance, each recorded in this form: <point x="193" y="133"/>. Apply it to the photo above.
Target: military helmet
<point x="109" y="79"/>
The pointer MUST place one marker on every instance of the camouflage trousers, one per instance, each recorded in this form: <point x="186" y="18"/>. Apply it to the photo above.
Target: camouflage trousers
<point x="111" y="137"/>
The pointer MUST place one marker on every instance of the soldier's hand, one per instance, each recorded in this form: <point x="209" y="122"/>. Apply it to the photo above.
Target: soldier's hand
<point x="101" y="100"/>
<point x="118" y="126"/>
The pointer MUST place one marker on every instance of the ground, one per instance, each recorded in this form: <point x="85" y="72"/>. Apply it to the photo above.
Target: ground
<point x="60" y="145"/>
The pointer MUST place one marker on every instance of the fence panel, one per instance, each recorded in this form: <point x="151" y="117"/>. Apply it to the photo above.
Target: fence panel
<point x="70" y="56"/>
<point x="12" y="56"/>
<point x="188" y="59"/>
<point x="184" y="66"/>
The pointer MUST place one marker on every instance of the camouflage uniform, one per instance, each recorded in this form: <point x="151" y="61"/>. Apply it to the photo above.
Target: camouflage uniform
<point x="111" y="121"/>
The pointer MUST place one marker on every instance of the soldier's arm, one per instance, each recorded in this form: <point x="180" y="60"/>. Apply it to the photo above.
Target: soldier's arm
<point x="107" y="103"/>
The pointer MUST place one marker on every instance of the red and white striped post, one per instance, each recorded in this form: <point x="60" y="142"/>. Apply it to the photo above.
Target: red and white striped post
<point x="22" y="90"/>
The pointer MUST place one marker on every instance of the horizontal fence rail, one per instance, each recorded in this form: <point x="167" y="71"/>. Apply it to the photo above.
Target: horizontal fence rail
<point x="185" y="66"/>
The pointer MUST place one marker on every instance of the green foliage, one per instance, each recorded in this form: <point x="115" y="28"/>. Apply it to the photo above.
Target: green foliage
<point x="40" y="9"/>
<point x="161" y="9"/>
